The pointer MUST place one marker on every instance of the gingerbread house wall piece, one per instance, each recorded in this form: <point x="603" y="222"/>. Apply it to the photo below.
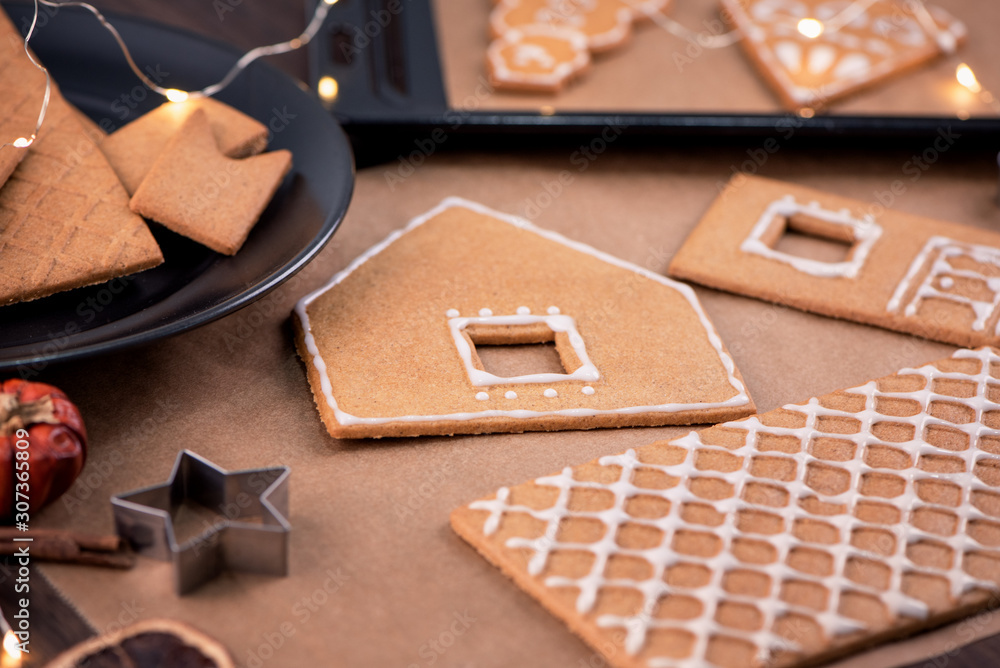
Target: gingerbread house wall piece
<point x="390" y="343"/>
<point x="906" y="273"/>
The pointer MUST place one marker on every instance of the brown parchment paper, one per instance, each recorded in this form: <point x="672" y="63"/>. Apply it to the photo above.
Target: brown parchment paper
<point x="657" y="72"/>
<point x="377" y="576"/>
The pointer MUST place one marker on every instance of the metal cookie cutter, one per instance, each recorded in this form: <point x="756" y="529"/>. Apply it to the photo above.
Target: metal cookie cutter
<point x="248" y="531"/>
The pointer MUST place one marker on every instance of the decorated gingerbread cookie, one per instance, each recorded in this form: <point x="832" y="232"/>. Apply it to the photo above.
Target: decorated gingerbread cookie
<point x="784" y="539"/>
<point x="396" y="344"/>
<point x="934" y="279"/>
<point x="537" y="58"/>
<point x="605" y="24"/>
<point x="812" y="52"/>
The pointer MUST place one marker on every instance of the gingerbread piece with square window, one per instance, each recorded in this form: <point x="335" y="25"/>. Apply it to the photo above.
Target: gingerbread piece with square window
<point x="471" y="321"/>
<point x="848" y="259"/>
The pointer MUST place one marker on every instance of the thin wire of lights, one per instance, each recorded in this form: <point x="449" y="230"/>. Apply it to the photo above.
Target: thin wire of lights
<point x="172" y="94"/>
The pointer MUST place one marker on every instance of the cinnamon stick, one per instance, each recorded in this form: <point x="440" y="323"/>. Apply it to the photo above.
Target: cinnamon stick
<point x="86" y="541"/>
<point x="67" y="547"/>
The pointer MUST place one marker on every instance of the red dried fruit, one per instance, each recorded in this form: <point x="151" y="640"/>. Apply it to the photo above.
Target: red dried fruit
<point x="56" y="448"/>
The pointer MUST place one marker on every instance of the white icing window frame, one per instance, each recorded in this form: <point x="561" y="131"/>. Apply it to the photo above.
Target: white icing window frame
<point x="865" y="233"/>
<point x="944" y="248"/>
<point x="587" y="372"/>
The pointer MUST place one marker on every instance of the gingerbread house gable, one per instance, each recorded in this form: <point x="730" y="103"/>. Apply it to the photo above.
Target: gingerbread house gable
<point x="392" y="343"/>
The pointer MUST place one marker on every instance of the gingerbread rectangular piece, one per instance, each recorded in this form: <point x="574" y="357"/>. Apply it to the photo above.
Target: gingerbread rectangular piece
<point x="392" y="345"/>
<point x="903" y="272"/>
<point x="783" y="539"/>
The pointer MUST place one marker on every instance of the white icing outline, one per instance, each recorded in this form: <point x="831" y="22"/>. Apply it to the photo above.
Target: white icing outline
<point x="557" y="323"/>
<point x="562" y="72"/>
<point x="865" y="233"/>
<point x="757" y="32"/>
<point x="661" y="555"/>
<point x="616" y="35"/>
<point x="741" y="398"/>
<point x="947" y="248"/>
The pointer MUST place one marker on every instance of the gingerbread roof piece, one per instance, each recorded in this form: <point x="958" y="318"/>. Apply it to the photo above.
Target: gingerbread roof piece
<point x="783" y="539"/>
<point x="392" y="343"/>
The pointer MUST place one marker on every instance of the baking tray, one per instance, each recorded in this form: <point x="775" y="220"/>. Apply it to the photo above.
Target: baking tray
<point x="386" y="57"/>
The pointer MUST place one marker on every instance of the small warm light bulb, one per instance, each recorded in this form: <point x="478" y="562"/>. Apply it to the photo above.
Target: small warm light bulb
<point x="330" y="2"/>
<point x="21" y="142"/>
<point x="10" y="646"/>
<point x="967" y="78"/>
<point x="811" y="28"/>
<point x="175" y="95"/>
<point x="328" y="88"/>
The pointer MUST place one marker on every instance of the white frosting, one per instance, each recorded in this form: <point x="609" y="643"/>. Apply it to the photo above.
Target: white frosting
<point x="865" y="233"/>
<point x="521" y="310"/>
<point x="557" y="323"/>
<point x="939" y="252"/>
<point x="510" y="394"/>
<point x="739" y="398"/>
<point x="550" y="393"/>
<point x="482" y="396"/>
<point x="553" y="310"/>
<point x="574" y="14"/>
<point x="661" y="556"/>
<point x="772" y="26"/>
<point x="552" y="77"/>
<point x="485" y="312"/>
<point x="821" y="57"/>
<point x="587" y="389"/>
<point x="452" y="313"/>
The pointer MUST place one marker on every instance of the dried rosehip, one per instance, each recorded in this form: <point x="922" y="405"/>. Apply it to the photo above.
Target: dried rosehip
<point x="56" y="444"/>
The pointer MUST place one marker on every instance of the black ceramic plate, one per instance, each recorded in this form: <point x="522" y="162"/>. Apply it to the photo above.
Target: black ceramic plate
<point x="194" y="285"/>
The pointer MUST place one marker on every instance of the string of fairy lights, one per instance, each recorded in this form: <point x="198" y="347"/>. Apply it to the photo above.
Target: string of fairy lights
<point x="172" y="94"/>
<point x="328" y="88"/>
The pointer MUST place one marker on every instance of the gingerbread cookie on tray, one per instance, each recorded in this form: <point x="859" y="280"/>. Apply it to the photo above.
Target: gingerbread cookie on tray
<point x="812" y="52"/>
<point x="784" y="539"/>
<point x="604" y="24"/>
<point x="396" y="344"/>
<point x="895" y="270"/>
<point x="537" y="58"/>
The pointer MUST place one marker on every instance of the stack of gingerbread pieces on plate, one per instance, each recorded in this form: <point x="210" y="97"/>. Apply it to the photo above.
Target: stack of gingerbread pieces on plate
<point x="72" y="200"/>
<point x="64" y="216"/>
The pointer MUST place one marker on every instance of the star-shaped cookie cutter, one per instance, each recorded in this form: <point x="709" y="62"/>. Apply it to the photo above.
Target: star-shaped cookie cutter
<point x="249" y="533"/>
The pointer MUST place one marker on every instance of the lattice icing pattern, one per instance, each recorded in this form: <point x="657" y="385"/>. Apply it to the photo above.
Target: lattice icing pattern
<point x="782" y="536"/>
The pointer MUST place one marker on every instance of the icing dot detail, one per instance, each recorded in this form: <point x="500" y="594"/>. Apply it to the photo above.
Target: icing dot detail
<point x="550" y="393"/>
<point x="523" y="310"/>
<point x="485" y="312"/>
<point x="947" y="282"/>
<point x="588" y="390"/>
<point x="482" y="396"/>
<point x="510" y="394"/>
<point x="553" y="310"/>
<point x="452" y="313"/>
